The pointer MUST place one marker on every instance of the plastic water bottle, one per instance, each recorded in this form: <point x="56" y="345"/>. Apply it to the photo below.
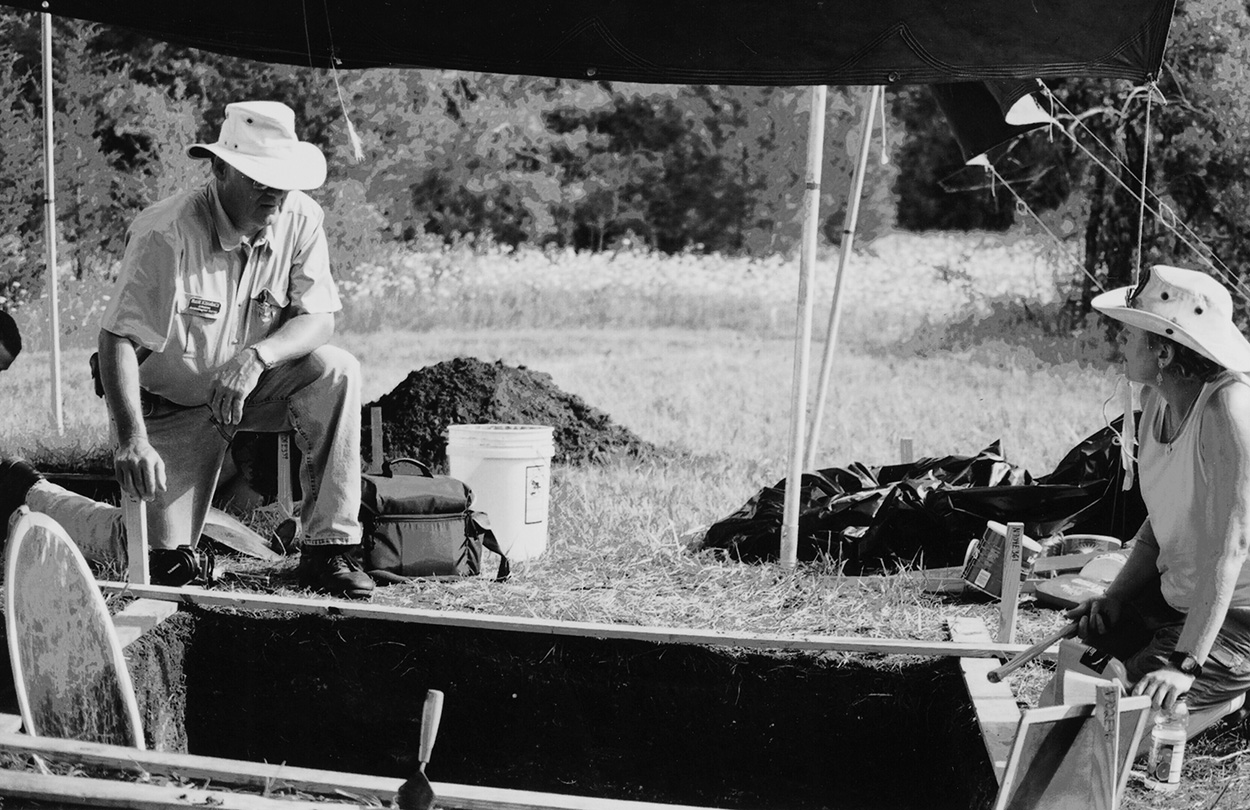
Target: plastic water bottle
<point x="1167" y="748"/>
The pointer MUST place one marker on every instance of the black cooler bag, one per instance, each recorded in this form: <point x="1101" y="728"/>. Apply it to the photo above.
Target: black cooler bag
<point x="421" y="525"/>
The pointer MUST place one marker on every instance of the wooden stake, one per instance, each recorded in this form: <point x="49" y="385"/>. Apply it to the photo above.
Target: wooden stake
<point x="906" y="452"/>
<point x="1011" y="583"/>
<point x="135" y="519"/>
<point x="1107" y="749"/>
<point x="286" y="497"/>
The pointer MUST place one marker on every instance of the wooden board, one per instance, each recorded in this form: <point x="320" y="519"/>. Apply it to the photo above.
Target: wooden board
<point x="322" y="606"/>
<point x="68" y="670"/>
<point x="995" y="706"/>
<point x="262" y="775"/>
<point x="78" y="791"/>
<point x="1054" y="762"/>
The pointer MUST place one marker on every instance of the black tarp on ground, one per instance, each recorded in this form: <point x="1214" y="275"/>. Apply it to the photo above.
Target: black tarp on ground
<point x="924" y="514"/>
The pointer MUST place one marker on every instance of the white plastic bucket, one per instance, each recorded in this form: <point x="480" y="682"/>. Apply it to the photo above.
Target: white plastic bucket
<point x="508" y="467"/>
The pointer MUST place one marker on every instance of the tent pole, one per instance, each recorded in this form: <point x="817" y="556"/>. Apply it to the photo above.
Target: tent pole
<point x="848" y="241"/>
<point x="49" y="226"/>
<point x="803" y="329"/>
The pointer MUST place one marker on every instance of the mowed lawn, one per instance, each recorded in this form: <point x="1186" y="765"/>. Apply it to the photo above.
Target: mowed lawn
<point x="714" y="393"/>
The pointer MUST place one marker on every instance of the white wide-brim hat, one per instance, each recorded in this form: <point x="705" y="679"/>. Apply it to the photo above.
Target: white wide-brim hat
<point x="1187" y="306"/>
<point x="258" y="138"/>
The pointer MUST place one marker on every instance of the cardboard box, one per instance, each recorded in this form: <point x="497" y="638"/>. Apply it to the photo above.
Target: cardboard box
<point x="983" y="567"/>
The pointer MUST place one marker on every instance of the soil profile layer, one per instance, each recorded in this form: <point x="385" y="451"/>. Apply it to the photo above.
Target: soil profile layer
<point x="672" y="723"/>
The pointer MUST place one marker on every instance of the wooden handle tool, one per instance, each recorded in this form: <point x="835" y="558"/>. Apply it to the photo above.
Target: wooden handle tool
<point x="996" y="675"/>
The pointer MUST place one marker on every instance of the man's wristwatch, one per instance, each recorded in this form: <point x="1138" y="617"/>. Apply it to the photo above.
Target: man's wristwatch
<point x="264" y="363"/>
<point x="1186" y="663"/>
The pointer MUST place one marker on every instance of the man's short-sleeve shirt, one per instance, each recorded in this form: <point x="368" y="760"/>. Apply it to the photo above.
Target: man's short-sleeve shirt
<point x="195" y="292"/>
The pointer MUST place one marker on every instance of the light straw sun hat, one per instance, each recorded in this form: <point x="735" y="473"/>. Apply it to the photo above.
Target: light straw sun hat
<point x="1190" y="307"/>
<point x="258" y="138"/>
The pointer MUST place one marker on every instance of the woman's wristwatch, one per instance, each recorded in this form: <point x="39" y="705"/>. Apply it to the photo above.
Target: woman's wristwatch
<point x="1186" y="663"/>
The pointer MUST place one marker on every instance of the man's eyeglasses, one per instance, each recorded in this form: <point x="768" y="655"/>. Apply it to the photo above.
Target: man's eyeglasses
<point x="256" y="184"/>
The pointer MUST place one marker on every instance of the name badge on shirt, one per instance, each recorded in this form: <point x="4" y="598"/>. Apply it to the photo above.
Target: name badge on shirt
<point x="203" y="306"/>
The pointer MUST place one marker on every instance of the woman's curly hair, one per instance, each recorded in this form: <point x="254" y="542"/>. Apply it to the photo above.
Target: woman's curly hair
<point x="1188" y="363"/>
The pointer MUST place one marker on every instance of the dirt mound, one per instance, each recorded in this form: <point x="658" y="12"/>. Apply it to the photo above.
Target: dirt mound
<point x="416" y="413"/>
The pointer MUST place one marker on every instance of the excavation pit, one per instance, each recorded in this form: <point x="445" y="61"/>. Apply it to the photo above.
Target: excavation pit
<point x="610" y="718"/>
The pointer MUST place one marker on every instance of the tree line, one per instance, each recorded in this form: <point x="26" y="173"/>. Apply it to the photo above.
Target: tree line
<point x="589" y="165"/>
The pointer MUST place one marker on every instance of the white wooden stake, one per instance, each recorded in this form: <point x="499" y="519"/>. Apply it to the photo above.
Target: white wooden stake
<point x="1011" y="583"/>
<point x="135" y="518"/>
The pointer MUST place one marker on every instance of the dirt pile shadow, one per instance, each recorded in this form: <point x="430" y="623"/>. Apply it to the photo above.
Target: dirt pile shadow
<point x="416" y="413"/>
<point x="673" y="723"/>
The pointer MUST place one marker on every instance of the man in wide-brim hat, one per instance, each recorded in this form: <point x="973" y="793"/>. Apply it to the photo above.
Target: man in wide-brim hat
<point x="218" y="323"/>
<point x="1178" y="613"/>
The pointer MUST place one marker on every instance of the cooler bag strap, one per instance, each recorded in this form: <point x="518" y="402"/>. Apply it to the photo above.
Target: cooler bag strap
<point x="405" y="466"/>
<point x="479" y="524"/>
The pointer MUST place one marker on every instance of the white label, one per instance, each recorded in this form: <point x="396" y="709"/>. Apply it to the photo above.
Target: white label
<point x="1164" y="763"/>
<point x="537" y="495"/>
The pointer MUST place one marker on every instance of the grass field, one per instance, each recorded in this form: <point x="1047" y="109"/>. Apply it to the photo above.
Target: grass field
<point x="954" y="342"/>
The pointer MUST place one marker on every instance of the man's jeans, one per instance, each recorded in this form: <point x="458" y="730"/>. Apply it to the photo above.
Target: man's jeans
<point x="316" y="397"/>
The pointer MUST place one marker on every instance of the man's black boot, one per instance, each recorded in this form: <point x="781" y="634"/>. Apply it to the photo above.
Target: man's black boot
<point x="334" y="570"/>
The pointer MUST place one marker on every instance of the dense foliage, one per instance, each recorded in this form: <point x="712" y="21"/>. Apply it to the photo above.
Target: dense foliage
<point x="590" y="165"/>
<point x="505" y="158"/>
<point x="1197" y="173"/>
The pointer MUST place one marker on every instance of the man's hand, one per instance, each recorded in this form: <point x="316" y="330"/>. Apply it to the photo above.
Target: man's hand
<point x="231" y="385"/>
<point x="139" y="468"/>
<point x="1095" y="617"/>
<point x="1164" y="687"/>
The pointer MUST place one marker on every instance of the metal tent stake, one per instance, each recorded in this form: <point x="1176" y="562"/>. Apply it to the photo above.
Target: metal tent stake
<point x="803" y="348"/>
<point x="49" y="225"/>
<point x="848" y="241"/>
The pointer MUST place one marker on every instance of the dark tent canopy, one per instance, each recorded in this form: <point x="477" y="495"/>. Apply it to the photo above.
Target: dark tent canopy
<point x="760" y="42"/>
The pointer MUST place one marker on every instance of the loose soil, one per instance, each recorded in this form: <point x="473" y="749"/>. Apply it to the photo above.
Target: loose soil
<point x="465" y="391"/>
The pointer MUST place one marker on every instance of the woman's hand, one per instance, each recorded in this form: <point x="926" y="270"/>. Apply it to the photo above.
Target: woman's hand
<point x="1096" y="616"/>
<point x="1164" y="687"/>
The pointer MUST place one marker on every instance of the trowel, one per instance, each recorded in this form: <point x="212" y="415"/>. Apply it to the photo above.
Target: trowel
<point x="416" y="793"/>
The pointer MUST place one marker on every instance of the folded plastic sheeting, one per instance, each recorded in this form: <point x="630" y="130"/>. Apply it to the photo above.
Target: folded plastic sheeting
<point x="924" y="514"/>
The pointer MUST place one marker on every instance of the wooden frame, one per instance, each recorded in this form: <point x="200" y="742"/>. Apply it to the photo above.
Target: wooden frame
<point x="1074" y="757"/>
<point x="993" y="703"/>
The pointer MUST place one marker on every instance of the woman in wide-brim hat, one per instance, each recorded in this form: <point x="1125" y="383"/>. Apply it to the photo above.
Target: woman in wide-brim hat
<point x="1178" y="613"/>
